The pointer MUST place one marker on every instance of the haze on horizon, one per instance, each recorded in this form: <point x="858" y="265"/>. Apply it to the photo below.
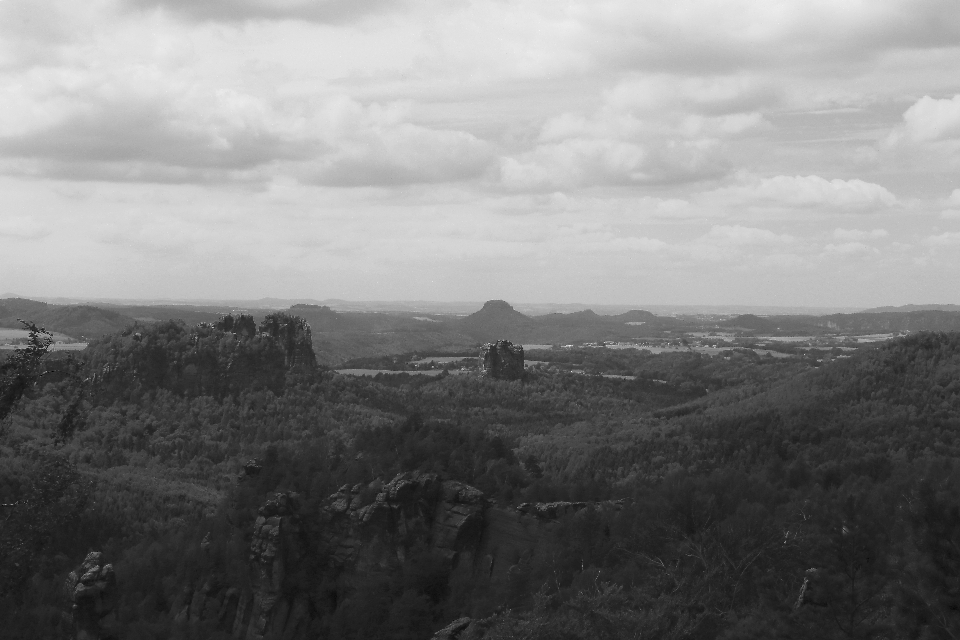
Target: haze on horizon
<point x="750" y="153"/>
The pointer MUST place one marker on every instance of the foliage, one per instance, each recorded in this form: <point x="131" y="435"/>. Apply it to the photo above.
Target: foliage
<point x="745" y="482"/>
<point x="21" y="370"/>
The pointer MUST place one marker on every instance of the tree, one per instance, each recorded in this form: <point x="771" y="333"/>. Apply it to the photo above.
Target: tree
<point x="22" y="370"/>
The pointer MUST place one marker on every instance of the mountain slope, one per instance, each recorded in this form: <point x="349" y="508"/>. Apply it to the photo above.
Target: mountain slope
<point x="77" y="321"/>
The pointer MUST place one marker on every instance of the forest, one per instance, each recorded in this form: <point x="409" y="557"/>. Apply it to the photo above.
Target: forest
<point x="221" y="470"/>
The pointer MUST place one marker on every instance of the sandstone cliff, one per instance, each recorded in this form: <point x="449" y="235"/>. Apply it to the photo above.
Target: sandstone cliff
<point x="502" y="360"/>
<point x="293" y="334"/>
<point x="92" y="588"/>
<point x="304" y="563"/>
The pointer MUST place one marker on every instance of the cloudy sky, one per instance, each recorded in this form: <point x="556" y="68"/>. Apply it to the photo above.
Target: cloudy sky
<point x="606" y="151"/>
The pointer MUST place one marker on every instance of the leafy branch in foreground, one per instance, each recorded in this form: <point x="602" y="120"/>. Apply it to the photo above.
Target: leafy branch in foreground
<point x="22" y="369"/>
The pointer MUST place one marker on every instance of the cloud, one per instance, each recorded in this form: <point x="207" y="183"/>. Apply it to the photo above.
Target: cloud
<point x="736" y="235"/>
<point x="807" y="192"/>
<point x="846" y="249"/>
<point x="23" y="227"/>
<point x="324" y="11"/>
<point x="126" y="128"/>
<point x="927" y="139"/>
<point x="646" y="132"/>
<point x="856" y="234"/>
<point x="135" y="133"/>
<point x="375" y="145"/>
<point x="588" y="162"/>
<point x="945" y="239"/>
<point x="930" y="120"/>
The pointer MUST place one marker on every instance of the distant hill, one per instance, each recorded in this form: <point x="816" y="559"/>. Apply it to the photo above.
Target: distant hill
<point x="750" y="322"/>
<point x="76" y="321"/>
<point x="891" y="322"/>
<point x="496" y="320"/>
<point x="190" y="314"/>
<point x="915" y="307"/>
<point x="340" y="336"/>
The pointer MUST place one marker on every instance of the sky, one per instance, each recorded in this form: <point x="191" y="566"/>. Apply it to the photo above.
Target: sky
<point x="755" y="152"/>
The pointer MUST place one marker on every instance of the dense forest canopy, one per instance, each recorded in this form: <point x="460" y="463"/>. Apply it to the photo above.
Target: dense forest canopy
<point x="723" y="496"/>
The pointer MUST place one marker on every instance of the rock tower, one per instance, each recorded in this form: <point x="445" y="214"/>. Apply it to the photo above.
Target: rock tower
<point x="502" y="360"/>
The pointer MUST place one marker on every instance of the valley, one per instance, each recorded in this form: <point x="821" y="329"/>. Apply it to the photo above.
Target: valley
<point x="706" y="480"/>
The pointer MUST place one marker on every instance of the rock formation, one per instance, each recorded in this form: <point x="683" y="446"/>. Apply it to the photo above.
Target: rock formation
<point x="303" y="562"/>
<point x="276" y="547"/>
<point x="502" y="360"/>
<point x="445" y="514"/>
<point x="554" y="510"/>
<point x="453" y="630"/>
<point x="92" y="588"/>
<point x="242" y="326"/>
<point x="293" y="334"/>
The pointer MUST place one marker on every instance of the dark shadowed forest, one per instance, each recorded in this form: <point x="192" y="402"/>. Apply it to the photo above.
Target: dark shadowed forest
<point x="241" y="490"/>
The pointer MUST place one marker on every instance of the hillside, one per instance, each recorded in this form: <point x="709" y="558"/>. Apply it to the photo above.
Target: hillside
<point x="76" y="321"/>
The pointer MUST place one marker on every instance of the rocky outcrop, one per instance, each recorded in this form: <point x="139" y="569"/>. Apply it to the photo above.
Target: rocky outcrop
<point x="502" y="360"/>
<point x="92" y="588"/>
<point x="811" y="591"/>
<point x="453" y="630"/>
<point x="293" y="334"/>
<point x="360" y="529"/>
<point x="243" y="326"/>
<point x="306" y="562"/>
<point x="274" y="608"/>
<point x="555" y="510"/>
<point x="444" y="514"/>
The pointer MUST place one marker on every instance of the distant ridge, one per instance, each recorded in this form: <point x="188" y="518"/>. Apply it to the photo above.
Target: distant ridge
<point x="73" y="320"/>
<point x="456" y="307"/>
<point x="907" y="308"/>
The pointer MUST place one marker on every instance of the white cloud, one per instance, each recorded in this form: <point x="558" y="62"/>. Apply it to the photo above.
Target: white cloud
<point x="846" y="249"/>
<point x="930" y="120"/>
<point x="856" y="234"/>
<point x="645" y="132"/>
<point x="807" y="192"/>
<point x="128" y="127"/>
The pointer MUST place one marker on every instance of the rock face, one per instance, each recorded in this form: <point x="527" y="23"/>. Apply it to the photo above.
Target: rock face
<point x="303" y="562"/>
<point x="502" y="360"/>
<point x="276" y="548"/>
<point x="453" y="630"/>
<point x="293" y="334"/>
<point x="93" y="589"/>
<point x="358" y="530"/>
<point x="444" y="514"/>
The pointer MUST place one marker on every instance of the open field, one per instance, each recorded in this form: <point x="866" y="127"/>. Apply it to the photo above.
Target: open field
<point x="442" y="359"/>
<point x="6" y="335"/>
<point x="67" y="346"/>
<point x="374" y="372"/>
